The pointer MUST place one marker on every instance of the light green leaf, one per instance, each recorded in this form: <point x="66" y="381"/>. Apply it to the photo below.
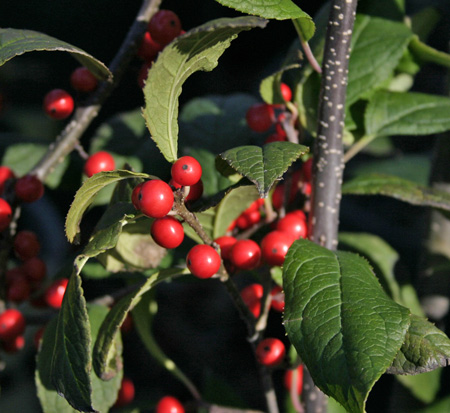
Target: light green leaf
<point x="343" y="325"/>
<point x="399" y="188"/>
<point x="103" y="346"/>
<point x="264" y="166"/>
<point x="270" y="89"/>
<point x="424" y="386"/>
<point x="14" y="42"/>
<point x="86" y="194"/>
<point x="425" y="348"/>
<point x="396" y="113"/>
<point x="199" y="49"/>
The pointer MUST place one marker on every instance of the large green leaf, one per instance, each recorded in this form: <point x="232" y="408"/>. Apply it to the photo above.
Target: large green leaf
<point x="104" y="344"/>
<point x="71" y="360"/>
<point x="425" y="348"/>
<point x="386" y="40"/>
<point x="86" y="194"/>
<point x="104" y="393"/>
<point x="343" y="325"/>
<point x="199" y="49"/>
<point x="399" y="188"/>
<point x="264" y="166"/>
<point x="14" y="42"/>
<point x="396" y="113"/>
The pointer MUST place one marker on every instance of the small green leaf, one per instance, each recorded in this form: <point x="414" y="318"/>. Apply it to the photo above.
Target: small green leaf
<point x="396" y="113"/>
<point x="269" y="9"/>
<point x="425" y="348"/>
<point x="270" y="89"/>
<point x="343" y="325"/>
<point x="110" y="327"/>
<point x="14" y="42"/>
<point x="399" y="188"/>
<point x="88" y="191"/>
<point x="264" y="166"/>
<point x="199" y="49"/>
<point x="71" y="361"/>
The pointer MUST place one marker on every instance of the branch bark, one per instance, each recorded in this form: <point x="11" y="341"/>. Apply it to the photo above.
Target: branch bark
<point x="328" y="149"/>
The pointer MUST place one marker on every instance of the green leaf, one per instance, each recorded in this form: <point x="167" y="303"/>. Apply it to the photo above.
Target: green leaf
<point x="264" y="166"/>
<point x="103" y="346"/>
<point x="270" y="89"/>
<point x="440" y="406"/>
<point x="231" y="206"/>
<point x="104" y="393"/>
<point x="86" y="194"/>
<point x="71" y="361"/>
<point x="269" y="9"/>
<point x="343" y="325"/>
<point x="14" y="42"/>
<point x="399" y="188"/>
<point x="428" y="54"/>
<point x="396" y="113"/>
<point x="425" y="348"/>
<point x="206" y="219"/>
<point x="424" y="386"/>
<point x="199" y="49"/>
<point x="386" y="40"/>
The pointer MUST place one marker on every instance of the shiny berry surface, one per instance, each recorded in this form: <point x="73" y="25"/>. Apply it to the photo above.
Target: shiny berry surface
<point x="270" y="352"/>
<point x="99" y="162"/>
<point x="275" y="245"/>
<point x="245" y="254"/>
<point x="203" y="261"/>
<point x="58" y="104"/>
<point x="186" y="171"/>
<point x="26" y="245"/>
<point x="83" y="80"/>
<point x="12" y="324"/>
<point x="167" y="232"/>
<point x="148" y="49"/>
<point x="164" y="26"/>
<point x="286" y="92"/>
<point x="126" y="393"/>
<point x="260" y="117"/>
<point x="5" y="214"/>
<point x="55" y="293"/>
<point x="155" y="198"/>
<point x="293" y="224"/>
<point x="5" y="174"/>
<point x="29" y="188"/>
<point x="225" y="243"/>
<point x="169" y="404"/>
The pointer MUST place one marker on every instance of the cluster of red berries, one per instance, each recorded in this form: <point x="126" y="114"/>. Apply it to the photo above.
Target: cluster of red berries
<point x="162" y="28"/>
<point x="261" y="117"/>
<point x="59" y="104"/>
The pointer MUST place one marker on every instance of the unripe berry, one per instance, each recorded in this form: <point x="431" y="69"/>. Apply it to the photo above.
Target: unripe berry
<point x="203" y="261"/>
<point x="99" y="162"/>
<point x="58" y="104"/>
<point x="270" y="352"/>
<point x="29" y="188"/>
<point x="5" y="214"/>
<point x="164" y="26"/>
<point x="83" y="80"/>
<point x="12" y="324"/>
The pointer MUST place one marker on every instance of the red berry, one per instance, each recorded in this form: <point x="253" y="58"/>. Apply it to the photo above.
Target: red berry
<point x="251" y="295"/>
<point x="135" y="196"/>
<point x="276" y="137"/>
<point x="277" y="302"/>
<point x="260" y="117"/>
<point x="248" y="219"/>
<point x="29" y="188"/>
<point x="169" y="404"/>
<point x="307" y="169"/>
<point x="195" y="191"/>
<point x="12" y="324"/>
<point x="270" y="352"/>
<point x="126" y="393"/>
<point x="14" y="345"/>
<point x="83" y="80"/>
<point x="127" y="324"/>
<point x="167" y="232"/>
<point x="225" y="243"/>
<point x="203" y="261"/>
<point x="5" y="174"/>
<point x="58" y="104"/>
<point x="26" y="245"/>
<point x="164" y="26"/>
<point x="143" y="74"/>
<point x="186" y="171"/>
<point x="275" y="245"/>
<point x="19" y="288"/>
<point x="5" y="214"/>
<point x="55" y="292"/>
<point x="35" y="269"/>
<point x="148" y="49"/>
<point x="155" y="198"/>
<point x="294" y="224"/>
<point x="245" y="254"/>
<point x="289" y="376"/>
<point x="99" y="162"/>
<point x="286" y="92"/>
